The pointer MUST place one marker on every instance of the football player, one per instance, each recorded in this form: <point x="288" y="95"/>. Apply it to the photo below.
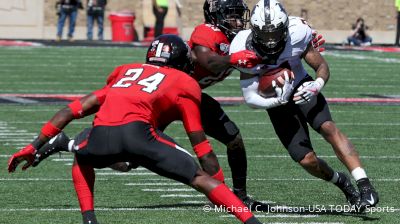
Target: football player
<point x="285" y="41"/>
<point x="212" y="63"/>
<point x="210" y="45"/>
<point x="125" y="124"/>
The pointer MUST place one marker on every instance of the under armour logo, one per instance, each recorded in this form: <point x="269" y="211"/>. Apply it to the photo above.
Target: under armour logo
<point x="242" y="62"/>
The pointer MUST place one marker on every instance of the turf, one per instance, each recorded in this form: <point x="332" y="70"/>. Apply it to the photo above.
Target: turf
<point x="45" y="194"/>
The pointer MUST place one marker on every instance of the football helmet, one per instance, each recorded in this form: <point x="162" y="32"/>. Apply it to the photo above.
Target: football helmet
<point x="230" y="16"/>
<point x="269" y="23"/>
<point x="171" y="51"/>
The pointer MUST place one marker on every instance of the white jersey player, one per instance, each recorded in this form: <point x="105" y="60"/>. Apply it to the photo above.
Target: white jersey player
<point x="284" y="41"/>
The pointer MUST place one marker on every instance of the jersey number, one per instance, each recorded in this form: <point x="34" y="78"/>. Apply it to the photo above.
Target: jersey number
<point x="150" y="83"/>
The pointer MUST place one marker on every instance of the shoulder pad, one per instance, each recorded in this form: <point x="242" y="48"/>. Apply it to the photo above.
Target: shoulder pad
<point x="300" y="32"/>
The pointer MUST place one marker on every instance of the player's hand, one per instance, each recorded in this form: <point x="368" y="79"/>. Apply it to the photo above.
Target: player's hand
<point x="283" y="93"/>
<point x="308" y="90"/>
<point x="244" y="59"/>
<point x="318" y="41"/>
<point x="26" y="154"/>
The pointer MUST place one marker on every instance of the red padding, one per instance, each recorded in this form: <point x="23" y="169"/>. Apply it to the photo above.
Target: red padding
<point x="50" y="130"/>
<point x="202" y="148"/>
<point x="76" y="109"/>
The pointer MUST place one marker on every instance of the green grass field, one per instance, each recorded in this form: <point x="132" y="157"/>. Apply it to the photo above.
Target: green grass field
<point x="45" y="194"/>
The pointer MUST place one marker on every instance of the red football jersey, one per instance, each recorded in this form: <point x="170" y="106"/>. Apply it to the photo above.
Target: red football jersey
<point x="156" y="95"/>
<point x="211" y="37"/>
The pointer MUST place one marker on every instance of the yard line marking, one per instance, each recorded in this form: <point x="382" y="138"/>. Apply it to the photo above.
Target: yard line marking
<point x="18" y="100"/>
<point x="182" y="195"/>
<point x="126" y="174"/>
<point x="322" y="156"/>
<point x="314" y="179"/>
<point x="338" y="123"/>
<point x="63" y="160"/>
<point x="276" y="138"/>
<point x="195" y="202"/>
<point x="167" y="189"/>
<point x="180" y="184"/>
<point x="154" y="184"/>
<point x="98" y="209"/>
<point x="277" y="216"/>
<point x="221" y="156"/>
<point x="363" y="57"/>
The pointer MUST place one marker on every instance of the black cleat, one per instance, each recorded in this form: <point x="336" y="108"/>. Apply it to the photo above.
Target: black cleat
<point x="369" y="196"/>
<point x="58" y="143"/>
<point x="252" y="204"/>
<point x="352" y="195"/>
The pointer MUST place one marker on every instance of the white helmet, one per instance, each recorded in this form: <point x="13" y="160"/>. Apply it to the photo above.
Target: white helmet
<point x="269" y="23"/>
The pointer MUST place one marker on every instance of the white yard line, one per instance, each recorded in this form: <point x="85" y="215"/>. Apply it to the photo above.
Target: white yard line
<point x="219" y="156"/>
<point x="167" y="189"/>
<point x="364" y="57"/>
<point x="154" y="184"/>
<point x="125" y="174"/>
<point x="182" y="195"/>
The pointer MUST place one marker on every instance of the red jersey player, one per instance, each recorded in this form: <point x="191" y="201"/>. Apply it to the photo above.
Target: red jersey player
<point x="123" y="127"/>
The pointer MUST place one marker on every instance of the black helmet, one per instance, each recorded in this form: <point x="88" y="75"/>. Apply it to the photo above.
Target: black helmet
<point x="169" y="50"/>
<point x="221" y="12"/>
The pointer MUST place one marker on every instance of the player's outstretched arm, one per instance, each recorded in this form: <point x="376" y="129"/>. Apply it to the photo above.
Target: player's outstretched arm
<point x="218" y="63"/>
<point x="310" y="89"/>
<point x="75" y="110"/>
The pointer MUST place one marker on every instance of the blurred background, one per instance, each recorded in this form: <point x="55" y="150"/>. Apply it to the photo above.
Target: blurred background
<point x="37" y="19"/>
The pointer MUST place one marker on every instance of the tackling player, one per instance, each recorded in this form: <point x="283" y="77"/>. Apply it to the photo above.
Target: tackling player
<point x="124" y="127"/>
<point x="280" y="40"/>
<point x="210" y="44"/>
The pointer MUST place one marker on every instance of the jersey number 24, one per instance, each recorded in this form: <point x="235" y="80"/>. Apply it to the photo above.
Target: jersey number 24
<point x="150" y="83"/>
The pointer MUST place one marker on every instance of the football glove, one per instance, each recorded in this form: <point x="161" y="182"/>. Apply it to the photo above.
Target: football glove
<point x="318" y="41"/>
<point x="27" y="154"/>
<point x="244" y="59"/>
<point x="283" y="93"/>
<point x="308" y="90"/>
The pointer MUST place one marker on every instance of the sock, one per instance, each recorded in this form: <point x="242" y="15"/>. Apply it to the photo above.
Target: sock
<point x="221" y="195"/>
<point x="83" y="178"/>
<point x="219" y="176"/>
<point x="358" y="173"/>
<point x="335" y="178"/>
<point x="238" y="163"/>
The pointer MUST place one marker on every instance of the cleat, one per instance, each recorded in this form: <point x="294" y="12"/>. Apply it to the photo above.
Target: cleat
<point x="252" y="204"/>
<point x="58" y="143"/>
<point x="369" y="196"/>
<point x="352" y="195"/>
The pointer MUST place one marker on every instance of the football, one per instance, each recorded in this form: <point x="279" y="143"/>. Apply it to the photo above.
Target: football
<point x="265" y="88"/>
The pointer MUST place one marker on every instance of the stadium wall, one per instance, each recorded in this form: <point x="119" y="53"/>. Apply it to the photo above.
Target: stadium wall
<point x="36" y="19"/>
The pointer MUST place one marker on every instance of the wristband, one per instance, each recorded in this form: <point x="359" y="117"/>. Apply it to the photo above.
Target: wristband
<point x="49" y="130"/>
<point x="202" y="148"/>
<point x="76" y="109"/>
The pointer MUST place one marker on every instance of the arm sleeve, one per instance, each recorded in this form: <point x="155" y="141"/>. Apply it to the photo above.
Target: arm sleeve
<point x="190" y="114"/>
<point x="252" y="98"/>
